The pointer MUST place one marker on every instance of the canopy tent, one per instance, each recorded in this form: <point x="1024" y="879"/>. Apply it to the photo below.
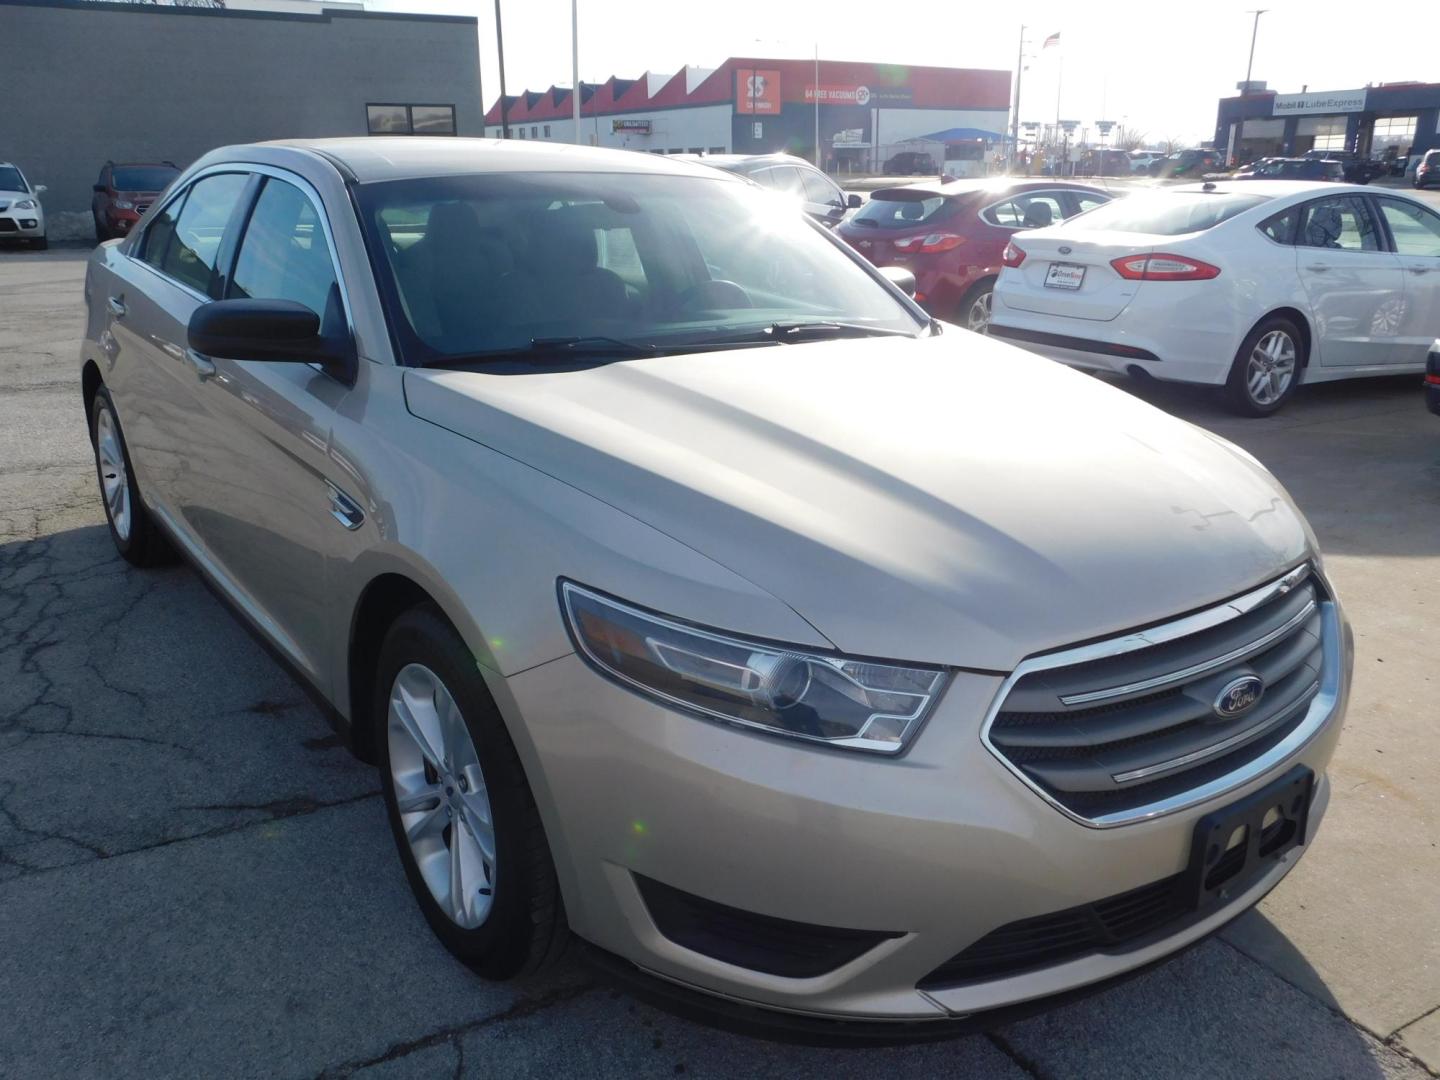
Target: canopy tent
<point x="961" y="134"/>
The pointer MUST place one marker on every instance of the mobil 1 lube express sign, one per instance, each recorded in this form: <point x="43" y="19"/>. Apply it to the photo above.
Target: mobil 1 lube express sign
<point x="1329" y="101"/>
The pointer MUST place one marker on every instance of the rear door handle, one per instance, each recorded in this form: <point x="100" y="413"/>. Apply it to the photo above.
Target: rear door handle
<point x="344" y="509"/>
<point x="116" y="306"/>
<point x="203" y="367"/>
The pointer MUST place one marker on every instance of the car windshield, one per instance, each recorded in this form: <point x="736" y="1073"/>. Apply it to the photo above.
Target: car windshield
<point x="485" y="264"/>
<point x="11" y="180"/>
<point x="1170" y="213"/>
<point x="909" y="212"/>
<point x="143" y="177"/>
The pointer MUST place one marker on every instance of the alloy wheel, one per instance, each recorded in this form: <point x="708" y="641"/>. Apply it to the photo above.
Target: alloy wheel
<point x="114" y="480"/>
<point x="441" y="795"/>
<point x="978" y="317"/>
<point x="1271" y="367"/>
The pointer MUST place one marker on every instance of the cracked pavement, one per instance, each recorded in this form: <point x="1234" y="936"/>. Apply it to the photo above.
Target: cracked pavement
<point x="195" y="879"/>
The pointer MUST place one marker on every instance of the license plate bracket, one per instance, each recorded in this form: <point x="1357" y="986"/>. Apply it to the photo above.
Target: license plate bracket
<point x="1222" y="866"/>
<point x="1062" y="275"/>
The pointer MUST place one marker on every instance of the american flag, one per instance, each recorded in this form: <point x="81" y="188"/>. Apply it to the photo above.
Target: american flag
<point x="1053" y="39"/>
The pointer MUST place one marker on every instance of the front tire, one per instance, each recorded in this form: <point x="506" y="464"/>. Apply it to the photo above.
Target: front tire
<point x="461" y="811"/>
<point x="133" y="530"/>
<point x="1266" y="369"/>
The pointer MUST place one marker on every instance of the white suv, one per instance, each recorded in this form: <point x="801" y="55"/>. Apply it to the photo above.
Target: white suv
<point x="21" y="215"/>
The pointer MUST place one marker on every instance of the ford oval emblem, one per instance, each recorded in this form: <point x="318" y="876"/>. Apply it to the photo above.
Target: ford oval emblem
<point x="1239" y="696"/>
<point x="1064" y="249"/>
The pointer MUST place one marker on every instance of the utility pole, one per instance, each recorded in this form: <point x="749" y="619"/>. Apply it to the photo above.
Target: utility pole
<point x="818" y="158"/>
<point x="500" y="48"/>
<point x="1254" y="31"/>
<point x="1015" y="116"/>
<point x="574" y="65"/>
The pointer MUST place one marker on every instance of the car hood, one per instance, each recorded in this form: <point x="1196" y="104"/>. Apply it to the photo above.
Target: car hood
<point x="8" y="195"/>
<point x="950" y="500"/>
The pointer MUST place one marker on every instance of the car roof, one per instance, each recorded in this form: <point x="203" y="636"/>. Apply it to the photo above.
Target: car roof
<point x="370" y="159"/>
<point x="1278" y="189"/>
<point x="734" y="161"/>
<point x="997" y="185"/>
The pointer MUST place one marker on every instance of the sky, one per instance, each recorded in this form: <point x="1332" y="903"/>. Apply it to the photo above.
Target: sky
<point x="1158" y="66"/>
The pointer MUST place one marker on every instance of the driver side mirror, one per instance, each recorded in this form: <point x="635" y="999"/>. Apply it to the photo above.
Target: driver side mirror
<point x="40" y="189"/>
<point x="273" y="331"/>
<point x="901" y="278"/>
<point x="99" y="189"/>
<point x="853" y="201"/>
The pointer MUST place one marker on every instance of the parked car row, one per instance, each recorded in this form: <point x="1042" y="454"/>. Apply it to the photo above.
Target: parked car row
<point x="683" y="578"/>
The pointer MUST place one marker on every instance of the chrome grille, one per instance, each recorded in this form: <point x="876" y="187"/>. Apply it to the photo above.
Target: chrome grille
<point x="1129" y="728"/>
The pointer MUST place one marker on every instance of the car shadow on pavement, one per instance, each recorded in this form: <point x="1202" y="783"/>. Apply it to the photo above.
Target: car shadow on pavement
<point x="214" y="803"/>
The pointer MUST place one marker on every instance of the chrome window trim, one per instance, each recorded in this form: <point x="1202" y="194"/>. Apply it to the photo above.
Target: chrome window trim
<point x="306" y="188"/>
<point x="1321" y="707"/>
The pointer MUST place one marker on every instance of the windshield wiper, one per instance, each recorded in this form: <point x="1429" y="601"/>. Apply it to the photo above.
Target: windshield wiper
<point x="802" y="331"/>
<point x="589" y="344"/>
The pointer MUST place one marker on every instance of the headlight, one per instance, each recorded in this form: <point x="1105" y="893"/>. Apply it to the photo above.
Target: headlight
<point x="24" y="204"/>
<point x="124" y="204"/>
<point x="836" y="700"/>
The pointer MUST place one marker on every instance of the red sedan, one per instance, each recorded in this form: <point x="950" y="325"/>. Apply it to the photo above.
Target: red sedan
<point x="951" y="234"/>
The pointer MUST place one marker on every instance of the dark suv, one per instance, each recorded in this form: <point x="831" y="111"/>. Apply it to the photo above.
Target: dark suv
<point x="911" y="163"/>
<point x="124" y="192"/>
<point x="1358" y="170"/>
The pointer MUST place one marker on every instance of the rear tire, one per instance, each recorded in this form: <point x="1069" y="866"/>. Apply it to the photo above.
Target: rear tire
<point x="470" y="838"/>
<point x="973" y="311"/>
<point x="1267" y="367"/>
<point x="136" y="536"/>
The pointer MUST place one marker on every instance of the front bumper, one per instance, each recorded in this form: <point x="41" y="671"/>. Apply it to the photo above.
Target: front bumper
<point x="22" y="224"/>
<point x="938" y="847"/>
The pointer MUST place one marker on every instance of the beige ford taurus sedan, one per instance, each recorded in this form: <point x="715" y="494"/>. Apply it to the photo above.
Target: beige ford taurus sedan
<point x="700" y="598"/>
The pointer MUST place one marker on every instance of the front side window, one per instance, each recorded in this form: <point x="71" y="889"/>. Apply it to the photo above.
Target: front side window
<point x="188" y="250"/>
<point x="284" y="254"/>
<point x="818" y="190"/>
<point x="1416" y="229"/>
<point x="1171" y="213"/>
<point x="1341" y="222"/>
<point x="486" y="264"/>
<point x="1086" y="202"/>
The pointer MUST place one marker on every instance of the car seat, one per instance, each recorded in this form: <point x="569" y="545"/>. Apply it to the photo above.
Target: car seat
<point x="1038" y="215"/>
<point x="1324" y="227"/>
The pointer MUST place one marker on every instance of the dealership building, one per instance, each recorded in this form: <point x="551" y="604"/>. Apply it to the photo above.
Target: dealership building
<point x="89" y="82"/>
<point x="867" y="112"/>
<point x="1386" y="120"/>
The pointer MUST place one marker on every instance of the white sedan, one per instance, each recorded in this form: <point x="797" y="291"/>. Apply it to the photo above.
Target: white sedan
<point x="1254" y="286"/>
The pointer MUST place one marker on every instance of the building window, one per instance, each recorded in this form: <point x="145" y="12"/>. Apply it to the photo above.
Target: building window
<point x="717" y="150"/>
<point x="410" y="119"/>
<point x="520" y="132"/>
<point x="1396" y="131"/>
<point x="696" y="150"/>
<point x="534" y="131"/>
<point x="547" y="131"/>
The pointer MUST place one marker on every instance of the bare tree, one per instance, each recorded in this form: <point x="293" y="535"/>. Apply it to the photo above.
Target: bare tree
<point x="1128" y="139"/>
<point x="1173" y="144"/>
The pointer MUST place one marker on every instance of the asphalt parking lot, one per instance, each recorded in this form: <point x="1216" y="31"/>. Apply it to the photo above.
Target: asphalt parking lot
<point x="195" y="879"/>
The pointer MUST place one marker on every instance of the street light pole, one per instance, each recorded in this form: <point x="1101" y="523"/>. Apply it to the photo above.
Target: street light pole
<point x="818" y="164"/>
<point x="575" y="65"/>
<point x="500" y="49"/>
<point x="1015" y="117"/>
<point x="1239" y="134"/>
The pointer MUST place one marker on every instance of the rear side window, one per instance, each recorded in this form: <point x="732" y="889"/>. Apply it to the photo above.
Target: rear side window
<point x="1172" y="213"/>
<point x="284" y="255"/>
<point x="1342" y="222"/>
<point x="1281" y="227"/>
<point x="1027" y="211"/>
<point x="185" y="245"/>
<point x="882" y="213"/>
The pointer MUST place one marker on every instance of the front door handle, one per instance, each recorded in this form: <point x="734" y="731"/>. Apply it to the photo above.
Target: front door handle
<point x="1319" y="268"/>
<point x="1419" y="269"/>
<point x="116" y="306"/>
<point x="203" y="367"/>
